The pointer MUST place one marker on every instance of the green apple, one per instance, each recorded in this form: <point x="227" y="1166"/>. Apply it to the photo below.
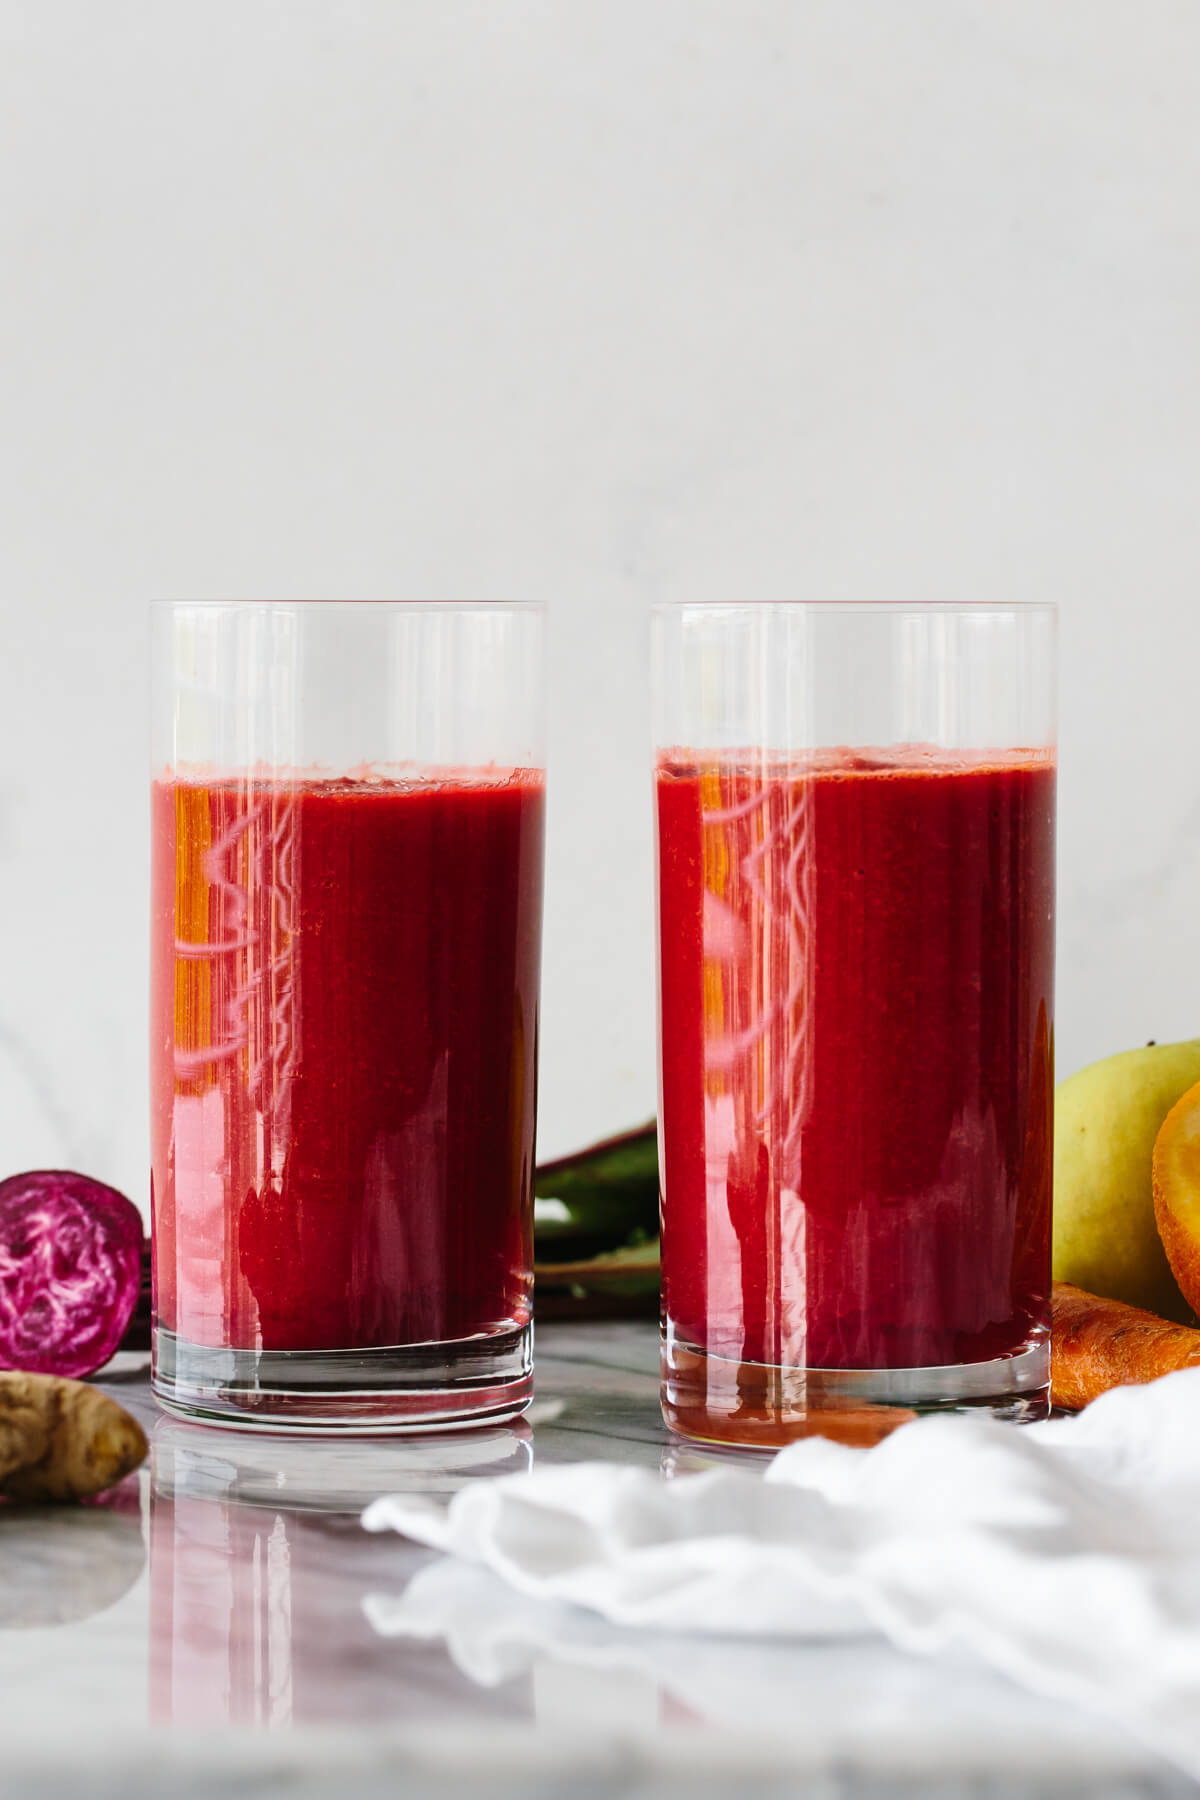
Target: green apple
<point x="1106" y="1119"/>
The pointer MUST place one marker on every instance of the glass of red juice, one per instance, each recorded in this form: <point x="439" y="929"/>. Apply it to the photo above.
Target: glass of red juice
<point x="347" y="825"/>
<point x="855" y="809"/>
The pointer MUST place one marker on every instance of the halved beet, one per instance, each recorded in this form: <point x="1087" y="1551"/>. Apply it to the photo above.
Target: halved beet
<point x="70" y="1267"/>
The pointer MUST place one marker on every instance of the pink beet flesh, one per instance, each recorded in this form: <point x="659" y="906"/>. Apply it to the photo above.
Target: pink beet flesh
<point x="70" y="1265"/>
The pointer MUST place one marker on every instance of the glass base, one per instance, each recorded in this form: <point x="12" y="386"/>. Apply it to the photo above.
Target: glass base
<point x="396" y="1388"/>
<point x="758" y="1406"/>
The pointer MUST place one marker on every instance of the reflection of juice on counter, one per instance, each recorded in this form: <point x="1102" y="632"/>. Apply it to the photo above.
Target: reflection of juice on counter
<point x="344" y="997"/>
<point x="856" y="988"/>
<point x="257" y="1579"/>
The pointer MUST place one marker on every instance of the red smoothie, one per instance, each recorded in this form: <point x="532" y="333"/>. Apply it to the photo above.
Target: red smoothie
<point x="856" y="980"/>
<point x="344" y="993"/>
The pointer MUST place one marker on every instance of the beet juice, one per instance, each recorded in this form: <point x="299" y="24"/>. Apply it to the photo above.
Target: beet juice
<point x="345" y="1008"/>
<point x="856" y="968"/>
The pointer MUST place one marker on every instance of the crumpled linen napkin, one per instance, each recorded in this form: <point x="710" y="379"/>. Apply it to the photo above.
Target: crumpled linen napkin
<point x="1066" y="1554"/>
<point x="830" y="1699"/>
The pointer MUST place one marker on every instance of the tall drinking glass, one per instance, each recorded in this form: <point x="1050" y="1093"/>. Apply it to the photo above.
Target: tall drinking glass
<point x="856" y="831"/>
<point x="347" y="816"/>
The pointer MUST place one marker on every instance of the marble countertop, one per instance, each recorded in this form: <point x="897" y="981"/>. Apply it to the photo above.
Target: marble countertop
<point x="205" y="1633"/>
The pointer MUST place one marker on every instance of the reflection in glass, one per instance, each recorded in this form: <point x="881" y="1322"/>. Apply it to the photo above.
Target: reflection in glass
<point x="252" y="1620"/>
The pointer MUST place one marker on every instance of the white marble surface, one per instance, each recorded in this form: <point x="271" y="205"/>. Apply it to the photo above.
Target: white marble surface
<point x="206" y="1634"/>
<point x="595" y="302"/>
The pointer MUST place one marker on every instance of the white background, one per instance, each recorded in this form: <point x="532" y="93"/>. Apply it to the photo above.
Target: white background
<point x="596" y="302"/>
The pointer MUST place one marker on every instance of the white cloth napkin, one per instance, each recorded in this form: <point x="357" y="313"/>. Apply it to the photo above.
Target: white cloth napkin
<point x="855" y="1700"/>
<point x="1066" y="1554"/>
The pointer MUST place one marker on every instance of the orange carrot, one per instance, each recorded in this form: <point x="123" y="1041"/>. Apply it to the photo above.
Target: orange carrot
<point x="1100" y="1344"/>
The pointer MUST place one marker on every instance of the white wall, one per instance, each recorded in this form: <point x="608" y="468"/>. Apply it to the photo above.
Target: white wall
<point x="595" y="301"/>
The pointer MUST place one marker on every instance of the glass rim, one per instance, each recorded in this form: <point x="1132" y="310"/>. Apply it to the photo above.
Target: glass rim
<point x="429" y="608"/>
<point x="958" y="608"/>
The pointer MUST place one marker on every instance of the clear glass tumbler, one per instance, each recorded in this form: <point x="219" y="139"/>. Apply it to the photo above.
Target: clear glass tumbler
<point x="855" y="860"/>
<point x="347" y="822"/>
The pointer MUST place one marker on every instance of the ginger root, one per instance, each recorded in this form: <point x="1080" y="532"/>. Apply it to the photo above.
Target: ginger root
<point x="63" y="1440"/>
